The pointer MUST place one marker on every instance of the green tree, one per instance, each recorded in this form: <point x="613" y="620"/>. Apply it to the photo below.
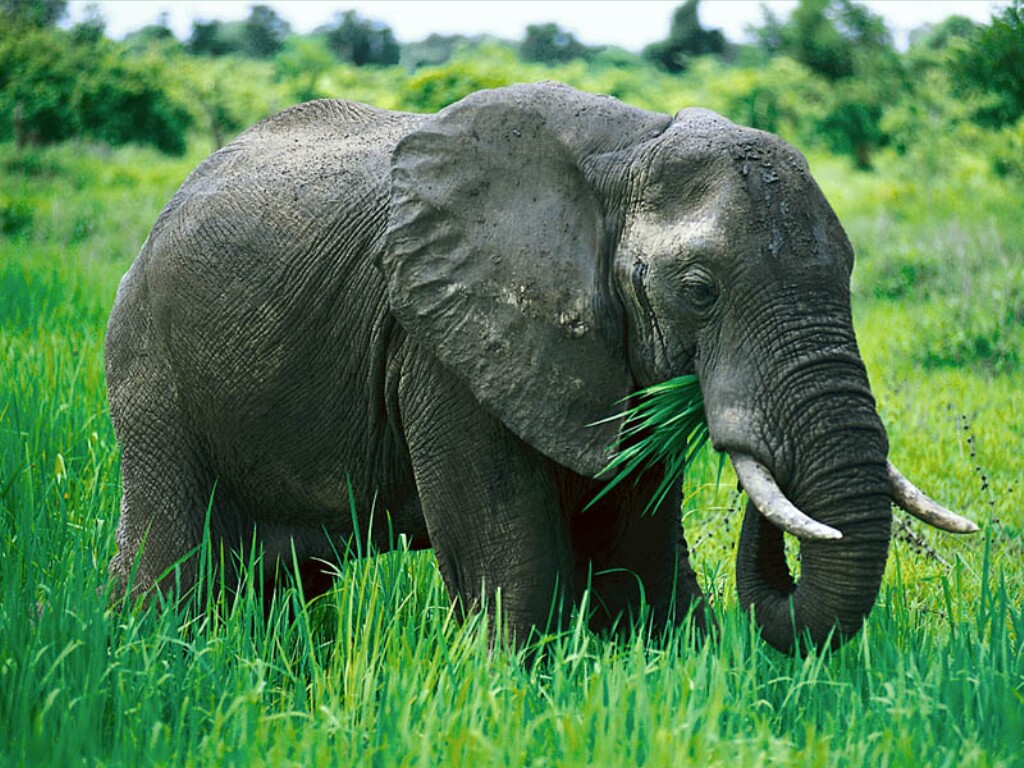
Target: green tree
<point x="265" y="32"/>
<point x="850" y="47"/>
<point x="302" y="62"/>
<point x="215" y="38"/>
<point x="38" y="72"/>
<point x="35" y="13"/>
<point x="121" y="99"/>
<point x="550" y="44"/>
<point x="939" y="36"/>
<point x="225" y="94"/>
<point x="832" y="37"/>
<point x="992" y="64"/>
<point x="686" y="39"/>
<point x="158" y="30"/>
<point x="52" y="90"/>
<point x="813" y="39"/>
<point x="931" y="47"/>
<point x="491" y="65"/>
<point x="361" y="41"/>
<point x="91" y="29"/>
<point x="435" y="49"/>
<point x="157" y="35"/>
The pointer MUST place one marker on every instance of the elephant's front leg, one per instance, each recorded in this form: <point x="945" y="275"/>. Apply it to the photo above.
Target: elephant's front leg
<point x="631" y="558"/>
<point x="490" y="504"/>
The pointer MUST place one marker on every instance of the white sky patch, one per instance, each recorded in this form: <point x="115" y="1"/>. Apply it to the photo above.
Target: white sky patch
<point x="630" y="24"/>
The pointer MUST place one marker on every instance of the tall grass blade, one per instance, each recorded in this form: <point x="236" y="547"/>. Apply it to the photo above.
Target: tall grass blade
<point x="666" y="428"/>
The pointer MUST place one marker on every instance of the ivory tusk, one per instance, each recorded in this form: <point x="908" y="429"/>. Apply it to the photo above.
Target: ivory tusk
<point x="771" y="502"/>
<point x="911" y="499"/>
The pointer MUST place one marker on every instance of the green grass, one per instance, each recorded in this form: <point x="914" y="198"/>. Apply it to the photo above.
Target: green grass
<point x="666" y="426"/>
<point x="378" y="672"/>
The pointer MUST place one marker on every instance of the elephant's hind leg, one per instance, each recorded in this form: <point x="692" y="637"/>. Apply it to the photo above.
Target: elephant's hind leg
<point x="165" y="495"/>
<point x="166" y="486"/>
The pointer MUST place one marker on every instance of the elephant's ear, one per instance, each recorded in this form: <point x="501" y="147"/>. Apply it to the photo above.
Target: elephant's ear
<point x="497" y="259"/>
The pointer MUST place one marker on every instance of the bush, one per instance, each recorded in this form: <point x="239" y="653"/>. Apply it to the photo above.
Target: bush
<point x="1008" y="153"/>
<point x="961" y="337"/>
<point x="433" y="88"/>
<point x="991" y="62"/>
<point x="38" y="71"/>
<point x="123" y="100"/>
<point x="16" y="216"/>
<point x="782" y="97"/>
<point x="52" y="90"/>
<point x="301" y="64"/>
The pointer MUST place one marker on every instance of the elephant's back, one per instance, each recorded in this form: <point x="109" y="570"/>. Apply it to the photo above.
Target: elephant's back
<point x="310" y="165"/>
<point x="262" y="296"/>
<point x="273" y="203"/>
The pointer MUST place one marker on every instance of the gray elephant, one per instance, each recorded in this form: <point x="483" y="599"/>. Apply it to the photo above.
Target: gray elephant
<point x="435" y="316"/>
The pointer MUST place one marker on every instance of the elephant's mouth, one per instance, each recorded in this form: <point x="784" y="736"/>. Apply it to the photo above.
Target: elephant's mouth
<point x="663" y="425"/>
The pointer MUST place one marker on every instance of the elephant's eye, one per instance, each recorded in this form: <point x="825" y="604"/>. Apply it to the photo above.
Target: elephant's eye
<point x="700" y="291"/>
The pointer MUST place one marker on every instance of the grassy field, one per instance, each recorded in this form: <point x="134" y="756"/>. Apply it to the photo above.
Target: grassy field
<point x="379" y="673"/>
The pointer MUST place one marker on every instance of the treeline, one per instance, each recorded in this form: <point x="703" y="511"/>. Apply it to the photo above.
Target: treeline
<point x="827" y="76"/>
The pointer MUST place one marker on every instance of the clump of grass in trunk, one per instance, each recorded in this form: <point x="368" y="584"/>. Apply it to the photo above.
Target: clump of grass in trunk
<point x="665" y="426"/>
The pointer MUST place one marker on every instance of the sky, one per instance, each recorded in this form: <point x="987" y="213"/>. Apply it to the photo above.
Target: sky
<point x="631" y="24"/>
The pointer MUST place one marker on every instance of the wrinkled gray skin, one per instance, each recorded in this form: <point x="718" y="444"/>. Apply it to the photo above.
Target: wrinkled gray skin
<point x="437" y="308"/>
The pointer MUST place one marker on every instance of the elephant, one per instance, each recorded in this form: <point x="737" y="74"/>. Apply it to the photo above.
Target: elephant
<point x="418" y="329"/>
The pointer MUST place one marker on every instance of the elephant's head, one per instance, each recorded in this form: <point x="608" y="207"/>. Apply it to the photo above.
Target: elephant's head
<point x="559" y="250"/>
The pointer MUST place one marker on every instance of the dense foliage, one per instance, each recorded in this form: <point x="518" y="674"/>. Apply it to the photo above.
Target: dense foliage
<point x="550" y="44"/>
<point x="56" y="86"/>
<point x="991" y="62"/>
<point x="38" y="13"/>
<point x="361" y="41"/>
<point x="260" y="36"/>
<point x="827" y="75"/>
<point x="378" y="672"/>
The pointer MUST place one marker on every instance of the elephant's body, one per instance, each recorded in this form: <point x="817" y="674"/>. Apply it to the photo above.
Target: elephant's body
<point x="358" y="324"/>
<point x="234" y="380"/>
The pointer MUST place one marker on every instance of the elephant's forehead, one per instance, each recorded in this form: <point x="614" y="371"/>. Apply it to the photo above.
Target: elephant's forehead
<point x="700" y="152"/>
<point x="701" y="227"/>
<point x="688" y="197"/>
<point x="744" y="205"/>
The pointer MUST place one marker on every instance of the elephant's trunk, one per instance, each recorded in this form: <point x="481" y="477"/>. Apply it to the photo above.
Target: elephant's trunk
<point x="832" y="468"/>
